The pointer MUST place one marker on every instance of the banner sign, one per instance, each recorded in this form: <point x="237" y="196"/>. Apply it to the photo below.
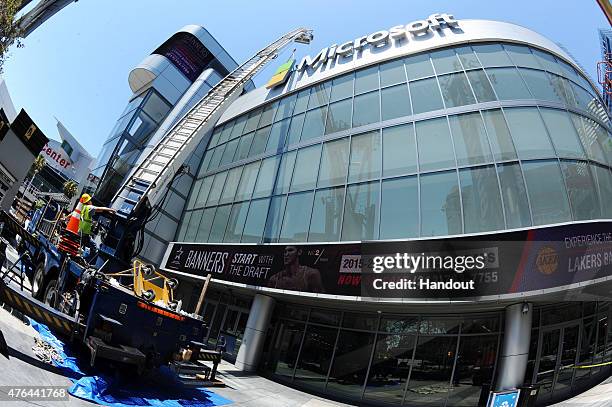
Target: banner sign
<point x="502" y="263"/>
<point x="186" y="53"/>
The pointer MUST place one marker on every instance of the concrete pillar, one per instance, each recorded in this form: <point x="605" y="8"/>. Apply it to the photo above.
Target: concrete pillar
<point x="515" y="346"/>
<point x="255" y="333"/>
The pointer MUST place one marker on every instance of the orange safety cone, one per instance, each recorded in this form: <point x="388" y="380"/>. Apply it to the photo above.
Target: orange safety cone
<point x="75" y="219"/>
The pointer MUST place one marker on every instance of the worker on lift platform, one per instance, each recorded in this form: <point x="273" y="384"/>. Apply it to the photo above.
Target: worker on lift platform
<point x="87" y="213"/>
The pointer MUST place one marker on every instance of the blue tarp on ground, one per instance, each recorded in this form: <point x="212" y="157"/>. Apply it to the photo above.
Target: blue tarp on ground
<point x="166" y="392"/>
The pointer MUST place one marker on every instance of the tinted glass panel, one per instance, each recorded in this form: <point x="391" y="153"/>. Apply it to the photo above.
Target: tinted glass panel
<point x="546" y="192"/>
<point x="440" y="206"/>
<point x="588" y="135"/>
<point x="297" y="218"/>
<point x="231" y="184"/>
<point x="435" y="145"/>
<point x="499" y="135"/>
<point x="219" y="223"/>
<point x="604" y="181"/>
<point x="238" y="128"/>
<point x="492" y="55"/>
<point x="392" y="73"/>
<point x="360" y="210"/>
<point x="204" y="191"/>
<point x="326" y="215"/>
<point x="395" y="102"/>
<point x="247" y="182"/>
<point x="216" y="158"/>
<point x="235" y="224"/>
<point x="562" y="132"/>
<point x="366" y="109"/>
<point x="468" y="57"/>
<point x="230" y="150"/>
<point x="528" y="133"/>
<point x="267" y="115"/>
<point x="259" y="141"/>
<point x="418" y="66"/>
<point x="350" y="362"/>
<point x="285" y="107"/>
<point x="470" y="138"/>
<point x="334" y="163"/>
<point x="508" y="84"/>
<point x="514" y="195"/>
<point x="295" y="129"/>
<point x="265" y="179"/>
<point x="316" y="356"/>
<point x="399" y="213"/>
<point x="522" y="56"/>
<point x="481" y="86"/>
<point x="205" y="225"/>
<point x="338" y="116"/>
<point x="255" y="222"/>
<point x="481" y="200"/>
<point x="399" y="150"/>
<point x="306" y="168"/>
<point x="278" y="135"/>
<point x="445" y="61"/>
<point x="290" y="338"/>
<point x="301" y="101"/>
<point x="252" y="122"/>
<point x="342" y="87"/>
<point x="366" y="80"/>
<point x="319" y="95"/>
<point x="581" y="190"/>
<point x="285" y="171"/>
<point x="217" y="187"/>
<point x="365" y="157"/>
<point x="425" y="95"/>
<point x="314" y="124"/>
<point x="540" y="85"/>
<point x="274" y="219"/>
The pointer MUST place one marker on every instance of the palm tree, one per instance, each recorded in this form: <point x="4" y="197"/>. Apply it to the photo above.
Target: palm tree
<point x="37" y="166"/>
<point x="70" y="188"/>
<point x="10" y="32"/>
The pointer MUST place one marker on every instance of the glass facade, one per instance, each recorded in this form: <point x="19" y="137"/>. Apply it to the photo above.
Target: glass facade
<point x="470" y="139"/>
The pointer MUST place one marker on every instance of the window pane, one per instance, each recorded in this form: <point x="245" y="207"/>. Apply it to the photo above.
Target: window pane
<point x="366" y="80"/>
<point x="245" y="145"/>
<point x="230" y="150"/>
<point x="471" y="144"/>
<point x="205" y="162"/>
<point x="218" y="226"/>
<point x="192" y="226"/>
<point x="267" y="115"/>
<point x="547" y="61"/>
<point x="334" y="163"/>
<point x="255" y="222"/>
<point x="287" y="348"/>
<point x="278" y="134"/>
<point x="227" y="130"/>
<point x="351" y="362"/>
<point x="522" y="56"/>
<point x="338" y="116"/>
<point x="259" y="141"/>
<point x="588" y="136"/>
<point x="508" y="84"/>
<point x="546" y="192"/>
<point x="514" y="195"/>
<point x="435" y="145"/>
<point x="581" y="190"/>
<point x="604" y="182"/>
<point x="360" y="212"/>
<point x="283" y="179"/>
<point x="399" y="150"/>
<point x="285" y="107"/>
<point x="295" y="129"/>
<point x="395" y="102"/>
<point x="195" y="189"/>
<point x="468" y="57"/>
<point x="301" y="101"/>
<point x="316" y="354"/>
<point x="238" y="127"/>
<point x="365" y="157"/>
<point x="540" y="85"/>
<point x="314" y="124"/>
<point x="274" y="219"/>
<point x="306" y="168"/>
<point x="342" y="87"/>
<point x="235" y="224"/>
<point x="206" y="221"/>
<point x="252" y="122"/>
<point x="481" y="86"/>
<point x="492" y="55"/>
<point x="297" y="218"/>
<point x="562" y="132"/>
<point x="399" y="211"/>
<point x="392" y="73"/>
<point x="326" y="215"/>
<point x="231" y="183"/>
<point x="265" y="179"/>
<point x="217" y="187"/>
<point x="425" y="96"/>
<point x="319" y="95"/>
<point x="440" y="206"/>
<point x="204" y="191"/>
<point x="499" y="135"/>
<point x="456" y="90"/>
<point x="247" y="182"/>
<point x="216" y="158"/>
<point x="366" y="109"/>
<point x="445" y="61"/>
<point x="529" y="134"/>
<point x="482" y="210"/>
<point x="180" y="236"/>
<point x="156" y="107"/>
<point x="418" y="66"/>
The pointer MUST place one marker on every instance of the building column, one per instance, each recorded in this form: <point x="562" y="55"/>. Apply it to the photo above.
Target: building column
<point x="255" y="333"/>
<point x="515" y="346"/>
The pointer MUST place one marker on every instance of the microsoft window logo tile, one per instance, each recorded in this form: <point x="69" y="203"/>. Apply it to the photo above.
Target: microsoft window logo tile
<point x="281" y="75"/>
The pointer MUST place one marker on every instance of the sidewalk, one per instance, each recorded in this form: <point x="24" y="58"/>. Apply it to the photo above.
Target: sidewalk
<point x="598" y="396"/>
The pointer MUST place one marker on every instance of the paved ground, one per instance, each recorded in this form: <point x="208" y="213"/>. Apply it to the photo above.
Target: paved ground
<point x="598" y="396"/>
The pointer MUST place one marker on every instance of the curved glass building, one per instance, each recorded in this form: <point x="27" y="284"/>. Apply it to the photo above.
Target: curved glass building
<point x="442" y="136"/>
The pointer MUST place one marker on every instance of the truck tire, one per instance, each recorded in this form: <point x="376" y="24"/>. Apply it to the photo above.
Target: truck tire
<point x="51" y="292"/>
<point x="38" y="282"/>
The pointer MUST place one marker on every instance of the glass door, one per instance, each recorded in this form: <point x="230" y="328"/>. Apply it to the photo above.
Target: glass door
<point x="567" y="359"/>
<point x="547" y="363"/>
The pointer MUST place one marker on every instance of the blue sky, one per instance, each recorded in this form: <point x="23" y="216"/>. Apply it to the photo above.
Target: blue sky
<point x="75" y="66"/>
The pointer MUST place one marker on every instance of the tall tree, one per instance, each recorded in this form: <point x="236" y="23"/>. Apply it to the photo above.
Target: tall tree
<point x="10" y="32"/>
<point x="70" y="188"/>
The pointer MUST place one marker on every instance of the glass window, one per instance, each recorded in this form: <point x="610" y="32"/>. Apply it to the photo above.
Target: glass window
<point x="540" y="85"/>
<point x="192" y="227"/>
<point x="278" y="134"/>
<point x="217" y="231"/>
<point x="180" y="236"/>
<point x="319" y="95"/>
<point x="238" y="128"/>
<point x="366" y="109"/>
<point x="445" y="61"/>
<point x="395" y="102"/>
<point x="231" y="184"/>
<point x="214" y="139"/>
<point x="365" y="322"/>
<point x="481" y="86"/>
<point x="529" y="134"/>
<point x="547" y="61"/>
<point x="440" y="205"/>
<point x="142" y="128"/>
<point x="470" y="138"/>
<point x="205" y="224"/>
<point x="418" y="66"/>
<point x="156" y="107"/>
<point x="492" y="55"/>
<point x="259" y="141"/>
<point x="425" y="96"/>
<point x="316" y="356"/>
<point x="217" y="187"/>
<point x="245" y="144"/>
<point x="399" y="150"/>
<point x="324" y="316"/>
<point x="604" y="182"/>
<point x="499" y="135"/>
<point x="366" y="80"/>
<point x="285" y="107"/>
<point x="522" y="56"/>
<point x="287" y="348"/>
<point x="360" y="212"/>
<point x="392" y="73"/>
<point x="399" y="323"/>
<point x="481" y="201"/>
<point x="562" y="132"/>
<point x="247" y="182"/>
<point x="302" y="101"/>
<point x="204" y="191"/>
<point x="255" y="222"/>
<point x="351" y="362"/>
<point x="230" y="150"/>
<point x="306" y="168"/>
<point x="195" y="189"/>
<point x="267" y="115"/>
<point x="295" y="129"/>
<point x="468" y="57"/>
<point x="314" y="123"/>
<point x="283" y="179"/>
<point x="456" y="90"/>
<point x="399" y="210"/>
<point x="546" y="192"/>
<point x="588" y="135"/>
<point x="514" y="195"/>
<point x="508" y="84"/>
<point x="365" y="157"/>
<point x="342" y="87"/>
<point x="216" y="158"/>
<point x="435" y="145"/>
<point x="235" y="224"/>
<point x="225" y="133"/>
<point x="266" y="177"/>
<point x="326" y="215"/>
<point x="338" y="116"/>
<point x="205" y="163"/>
<point x="297" y="217"/>
<point x="334" y="163"/>
<point x="580" y="190"/>
<point x="274" y="219"/>
<point x="252" y="122"/>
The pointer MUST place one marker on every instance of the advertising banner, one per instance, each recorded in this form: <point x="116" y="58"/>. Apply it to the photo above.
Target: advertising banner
<point x="186" y="53"/>
<point x="540" y="260"/>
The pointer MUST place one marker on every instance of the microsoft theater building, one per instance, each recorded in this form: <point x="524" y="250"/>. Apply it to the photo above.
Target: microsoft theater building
<point x="412" y="216"/>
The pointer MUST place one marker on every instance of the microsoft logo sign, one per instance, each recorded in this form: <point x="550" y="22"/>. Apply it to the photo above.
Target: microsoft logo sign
<point x="281" y="75"/>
